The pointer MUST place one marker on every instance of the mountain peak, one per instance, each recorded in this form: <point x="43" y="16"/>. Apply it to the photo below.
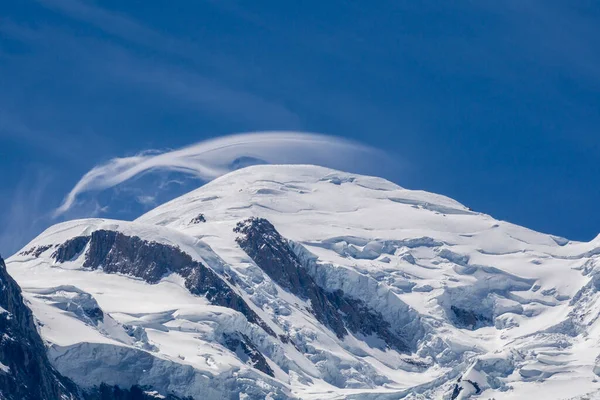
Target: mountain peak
<point x="306" y="282"/>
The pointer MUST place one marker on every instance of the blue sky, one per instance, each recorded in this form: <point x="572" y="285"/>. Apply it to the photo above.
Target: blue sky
<point x="495" y="104"/>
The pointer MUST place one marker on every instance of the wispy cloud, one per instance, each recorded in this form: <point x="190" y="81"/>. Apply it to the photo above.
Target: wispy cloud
<point x="128" y="29"/>
<point x="118" y="25"/>
<point x="199" y="91"/>
<point x="211" y="158"/>
<point x="25" y="213"/>
<point x="215" y="81"/>
<point x="202" y="82"/>
<point x="61" y="145"/>
<point x="119" y="58"/>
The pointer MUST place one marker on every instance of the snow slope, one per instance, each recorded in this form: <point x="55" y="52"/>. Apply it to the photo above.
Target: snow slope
<point x="483" y="308"/>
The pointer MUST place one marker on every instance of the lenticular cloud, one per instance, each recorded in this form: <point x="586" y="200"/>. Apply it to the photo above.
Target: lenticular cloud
<point x="211" y="158"/>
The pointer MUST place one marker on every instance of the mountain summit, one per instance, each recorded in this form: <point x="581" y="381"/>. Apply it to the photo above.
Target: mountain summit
<point x="287" y="282"/>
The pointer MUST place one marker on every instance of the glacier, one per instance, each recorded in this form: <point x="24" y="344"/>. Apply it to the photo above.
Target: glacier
<point x="302" y="282"/>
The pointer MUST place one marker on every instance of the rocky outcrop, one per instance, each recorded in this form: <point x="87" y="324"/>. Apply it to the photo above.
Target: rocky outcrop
<point x="246" y="351"/>
<point x="71" y="248"/>
<point x="36" y="251"/>
<point x="25" y="372"/>
<point x="200" y="218"/>
<point x="115" y="252"/>
<point x="468" y="319"/>
<point x="273" y="254"/>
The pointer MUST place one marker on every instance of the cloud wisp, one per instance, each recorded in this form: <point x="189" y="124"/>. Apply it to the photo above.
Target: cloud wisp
<point x="211" y="158"/>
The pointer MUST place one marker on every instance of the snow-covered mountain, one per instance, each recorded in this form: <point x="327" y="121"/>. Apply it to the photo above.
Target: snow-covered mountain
<point x="304" y="282"/>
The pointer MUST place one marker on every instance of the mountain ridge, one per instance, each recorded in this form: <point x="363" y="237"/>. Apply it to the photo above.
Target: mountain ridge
<point x="413" y="294"/>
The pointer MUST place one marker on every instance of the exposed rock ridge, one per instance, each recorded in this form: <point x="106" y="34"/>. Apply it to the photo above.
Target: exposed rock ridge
<point x="116" y="252"/>
<point x="245" y="349"/>
<point x="273" y="254"/>
<point x="25" y="372"/>
<point x="71" y="248"/>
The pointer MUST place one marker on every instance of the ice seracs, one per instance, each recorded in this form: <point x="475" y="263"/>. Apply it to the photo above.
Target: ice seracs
<point x="305" y="282"/>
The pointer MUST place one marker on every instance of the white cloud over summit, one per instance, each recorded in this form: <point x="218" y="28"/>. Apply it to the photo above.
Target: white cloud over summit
<point x="211" y="158"/>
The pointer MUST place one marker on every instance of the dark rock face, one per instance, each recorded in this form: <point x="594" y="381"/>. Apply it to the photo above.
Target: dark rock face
<point x="458" y="387"/>
<point x="361" y="319"/>
<point x="25" y="372"/>
<point x="71" y="248"/>
<point x="456" y="391"/>
<point x="469" y="319"/>
<point x="246" y="351"/>
<point x="272" y="253"/>
<point x="115" y="252"/>
<point x="198" y="219"/>
<point x="36" y="251"/>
